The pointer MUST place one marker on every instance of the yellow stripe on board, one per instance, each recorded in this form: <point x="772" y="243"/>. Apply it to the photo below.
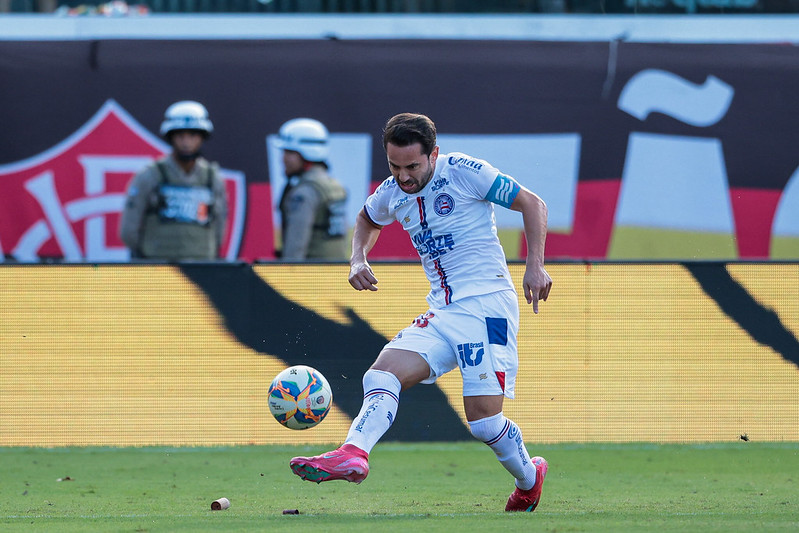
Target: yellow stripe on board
<point x="640" y="353"/>
<point x="129" y="355"/>
<point x="137" y="355"/>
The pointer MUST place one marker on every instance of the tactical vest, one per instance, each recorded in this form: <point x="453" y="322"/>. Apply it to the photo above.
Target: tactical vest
<point x="329" y="232"/>
<point x="181" y="224"/>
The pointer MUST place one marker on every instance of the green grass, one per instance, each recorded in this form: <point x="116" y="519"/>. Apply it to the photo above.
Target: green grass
<point x="412" y="487"/>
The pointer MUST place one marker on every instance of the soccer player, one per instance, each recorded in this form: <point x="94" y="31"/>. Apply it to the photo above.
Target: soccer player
<point x="446" y="204"/>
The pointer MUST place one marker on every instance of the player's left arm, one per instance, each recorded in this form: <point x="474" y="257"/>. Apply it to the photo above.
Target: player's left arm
<point x="537" y="282"/>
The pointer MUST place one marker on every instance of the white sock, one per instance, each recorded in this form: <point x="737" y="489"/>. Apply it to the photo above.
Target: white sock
<point x="505" y="438"/>
<point x="381" y="392"/>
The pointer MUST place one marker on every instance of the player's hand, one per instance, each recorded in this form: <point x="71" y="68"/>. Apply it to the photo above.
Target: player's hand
<point x="537" y="285"/>
<point x="362" y="277"/>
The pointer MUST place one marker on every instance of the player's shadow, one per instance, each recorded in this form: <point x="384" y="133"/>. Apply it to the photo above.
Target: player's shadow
<point x="262" y="319"/>
<point x="760" y="322"/>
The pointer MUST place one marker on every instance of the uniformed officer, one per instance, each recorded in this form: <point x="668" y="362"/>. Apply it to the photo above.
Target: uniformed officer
<point x="313" y="204"/>
<point x="176" y="208"/>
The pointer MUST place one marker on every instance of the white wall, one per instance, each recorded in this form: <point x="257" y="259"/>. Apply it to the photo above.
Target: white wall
<point x="630" y="28"/>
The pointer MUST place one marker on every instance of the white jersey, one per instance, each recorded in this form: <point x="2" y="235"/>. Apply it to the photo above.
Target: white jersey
<point x="452" y="225"/>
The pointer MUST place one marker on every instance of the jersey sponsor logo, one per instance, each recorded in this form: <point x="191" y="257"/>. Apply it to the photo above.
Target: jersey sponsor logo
<point x="431" y="245"/>
<point x="503" y="191"/>
<point x="402" y="201"/>
<point x="438" y="184"/>
<point x="466" y="163"/>
<point x="471" y="353"/>
<point x="387" y="184"/>
<point x="443" y="205"/>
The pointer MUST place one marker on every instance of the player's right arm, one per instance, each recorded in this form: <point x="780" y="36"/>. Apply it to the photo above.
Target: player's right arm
<point x="364" y="237"/>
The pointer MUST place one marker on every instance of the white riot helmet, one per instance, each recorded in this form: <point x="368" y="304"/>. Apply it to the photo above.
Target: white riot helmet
<point x="186" y="115"/>
<point x="307" y="136"/>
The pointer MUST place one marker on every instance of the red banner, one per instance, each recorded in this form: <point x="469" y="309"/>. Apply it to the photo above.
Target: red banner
<point x="641" y="151"/>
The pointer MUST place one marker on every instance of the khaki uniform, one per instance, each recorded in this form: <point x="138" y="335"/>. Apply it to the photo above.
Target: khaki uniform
<point x="172" y="215"/>
<point x="313" y="210"/>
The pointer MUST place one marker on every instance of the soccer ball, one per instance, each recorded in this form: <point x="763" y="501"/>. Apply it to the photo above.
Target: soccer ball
<point x="300" y="397"/>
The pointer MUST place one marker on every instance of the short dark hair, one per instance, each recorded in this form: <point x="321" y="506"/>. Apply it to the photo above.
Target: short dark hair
<point x="406" y="129"/>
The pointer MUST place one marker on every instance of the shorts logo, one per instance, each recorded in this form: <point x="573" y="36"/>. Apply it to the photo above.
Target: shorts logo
<point x="443" y="205"/>
<point x="471" y="353"/>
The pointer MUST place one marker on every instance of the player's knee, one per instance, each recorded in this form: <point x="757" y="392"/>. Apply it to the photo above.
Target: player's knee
<point x="409" y="368"/>
<point x="487" y="429"/>
<point x="374" y="378"/>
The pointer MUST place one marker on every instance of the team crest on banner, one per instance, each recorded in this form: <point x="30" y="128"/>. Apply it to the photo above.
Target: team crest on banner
<point x="66" y="202"/>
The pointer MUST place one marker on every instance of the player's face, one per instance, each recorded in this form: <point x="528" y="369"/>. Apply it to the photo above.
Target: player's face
<point x="412" y="170"/>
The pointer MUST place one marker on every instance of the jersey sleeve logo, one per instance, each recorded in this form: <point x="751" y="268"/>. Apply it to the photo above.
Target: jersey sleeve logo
<point x="467" y="163"/>
<point x="503" y="191"/>
<point x="443" y="205"/>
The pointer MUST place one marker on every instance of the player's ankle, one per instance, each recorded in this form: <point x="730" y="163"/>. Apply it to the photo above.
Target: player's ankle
<point x="351" y="448"/>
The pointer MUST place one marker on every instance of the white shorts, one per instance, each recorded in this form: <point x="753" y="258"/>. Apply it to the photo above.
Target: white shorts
<point x="476" y="334"/>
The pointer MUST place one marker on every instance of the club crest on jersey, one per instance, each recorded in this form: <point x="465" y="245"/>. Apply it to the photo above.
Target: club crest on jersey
<point x="443" y="205"/>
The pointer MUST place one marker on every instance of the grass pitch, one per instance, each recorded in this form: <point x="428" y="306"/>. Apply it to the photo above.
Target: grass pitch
<point x="744" y="486"/>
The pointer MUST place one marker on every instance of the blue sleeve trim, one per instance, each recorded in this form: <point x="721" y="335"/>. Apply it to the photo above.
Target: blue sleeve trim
<point x="503" y="191"/>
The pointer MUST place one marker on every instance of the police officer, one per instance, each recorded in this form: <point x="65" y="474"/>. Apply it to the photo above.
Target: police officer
<point x="176" y="208"/>
<point x="313" y="204"/>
